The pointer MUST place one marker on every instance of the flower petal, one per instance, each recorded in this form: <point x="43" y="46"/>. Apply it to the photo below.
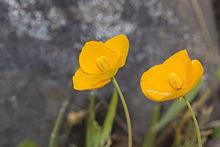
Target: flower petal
<point x="90" y="52"/>
<point x="120" y="44"/>
<point x="155" y="84"/>
<point x="195" y="76"/>
<point x="180" y="63"/>
<point x="173" y="95"/>
<point x="155" y="87"/>
<point x="105" y="75"/>
<point x="84" y="81"/>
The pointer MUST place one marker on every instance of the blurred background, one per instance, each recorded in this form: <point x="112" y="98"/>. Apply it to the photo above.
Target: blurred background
<point x="40" y="41"/>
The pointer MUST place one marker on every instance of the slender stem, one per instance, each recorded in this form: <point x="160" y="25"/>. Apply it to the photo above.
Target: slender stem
<point x="149" y="140"/>
<point x="202" y="24"/>
<point x="195" y="122"/>
<point x="125" y="110"/>
<point x="54" y="134"/>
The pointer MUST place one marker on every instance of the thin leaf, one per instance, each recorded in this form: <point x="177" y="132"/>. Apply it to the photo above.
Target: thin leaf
<point x="28" y="143"/>
<point x="216" y="128"/>
<point x="96" y="135"/>
<point x="93" y="131"/>
<point x="177" y="107"/>
<point x="90" y="127"/>
<point x="76" y="66"/>
<point x="108" y="123"/>
<point x="218" y="74"/>
<point x="216" y="132"/>
<point x="151" y="134"/>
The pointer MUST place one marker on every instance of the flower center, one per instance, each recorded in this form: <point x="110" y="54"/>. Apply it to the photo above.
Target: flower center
<point x="103" y="64"/>
<point x="175" y="81"/>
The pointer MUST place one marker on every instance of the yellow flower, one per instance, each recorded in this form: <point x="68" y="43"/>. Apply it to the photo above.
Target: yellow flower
<point x="174" y="78"/>
<point x="99" y="62"/>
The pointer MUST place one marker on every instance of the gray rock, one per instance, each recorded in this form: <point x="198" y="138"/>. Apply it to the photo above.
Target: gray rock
<point x="41" y="40"/>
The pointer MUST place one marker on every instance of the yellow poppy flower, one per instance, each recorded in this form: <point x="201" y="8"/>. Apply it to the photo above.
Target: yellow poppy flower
<point x="174" y="78"/>
<point x="99" y="62"/>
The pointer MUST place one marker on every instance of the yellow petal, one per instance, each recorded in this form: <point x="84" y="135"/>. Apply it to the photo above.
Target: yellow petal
<point x="173" y="95"/>
<point x="195" y="75"/>
<point x="120" y="44"/>
<point x="90" y="52"/>
<point x="105" y="75"/>
<point x="84" y="81"/>
<point x="180" y="63"/>
<point x="156" y="84"/>
<point x="155" y="87"/>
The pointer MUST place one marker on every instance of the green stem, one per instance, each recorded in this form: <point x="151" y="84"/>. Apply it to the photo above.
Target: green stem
<point x="195" y="122"/>
<point x="151" y="133"/>
<point x="125" y="110"/>
<point x="54" y="134"/>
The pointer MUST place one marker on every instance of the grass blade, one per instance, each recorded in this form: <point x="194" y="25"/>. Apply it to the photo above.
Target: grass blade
<point x="108" y="123"/>
<point x="151" y="134"/>
<point x="28" y="143"/>
<point x="93" y="131"/>
<point x="90" y="122"/>
<point x="218" y="74"/>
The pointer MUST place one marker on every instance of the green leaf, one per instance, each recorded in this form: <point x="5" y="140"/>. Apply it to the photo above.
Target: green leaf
<point x="177" y="107"/>
<point x="151" y="134"/>
<point x="93" y="131"/>
<point x="109" y="119"/>
<point x="218" y="74"/>
<point x="76" y="66"/>
<point x="216" y="131"/>
<point x="28" y="143"/>
<point x="96" y="135"/>
<point x="90" y="122"/>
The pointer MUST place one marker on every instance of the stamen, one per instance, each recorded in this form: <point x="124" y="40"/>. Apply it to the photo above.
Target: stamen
<point x="103" y="64"/>
<point x="175" y="81"/>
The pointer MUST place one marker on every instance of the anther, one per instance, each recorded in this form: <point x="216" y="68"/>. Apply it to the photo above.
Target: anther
<point x="175" y="81"/>
<point x="103" y="64"/>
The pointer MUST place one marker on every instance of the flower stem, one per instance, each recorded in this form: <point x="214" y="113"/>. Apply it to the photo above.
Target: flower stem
<point x="195" y="122"/>
<point x="125" y="110"/>
<point x="54" y="134"/>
